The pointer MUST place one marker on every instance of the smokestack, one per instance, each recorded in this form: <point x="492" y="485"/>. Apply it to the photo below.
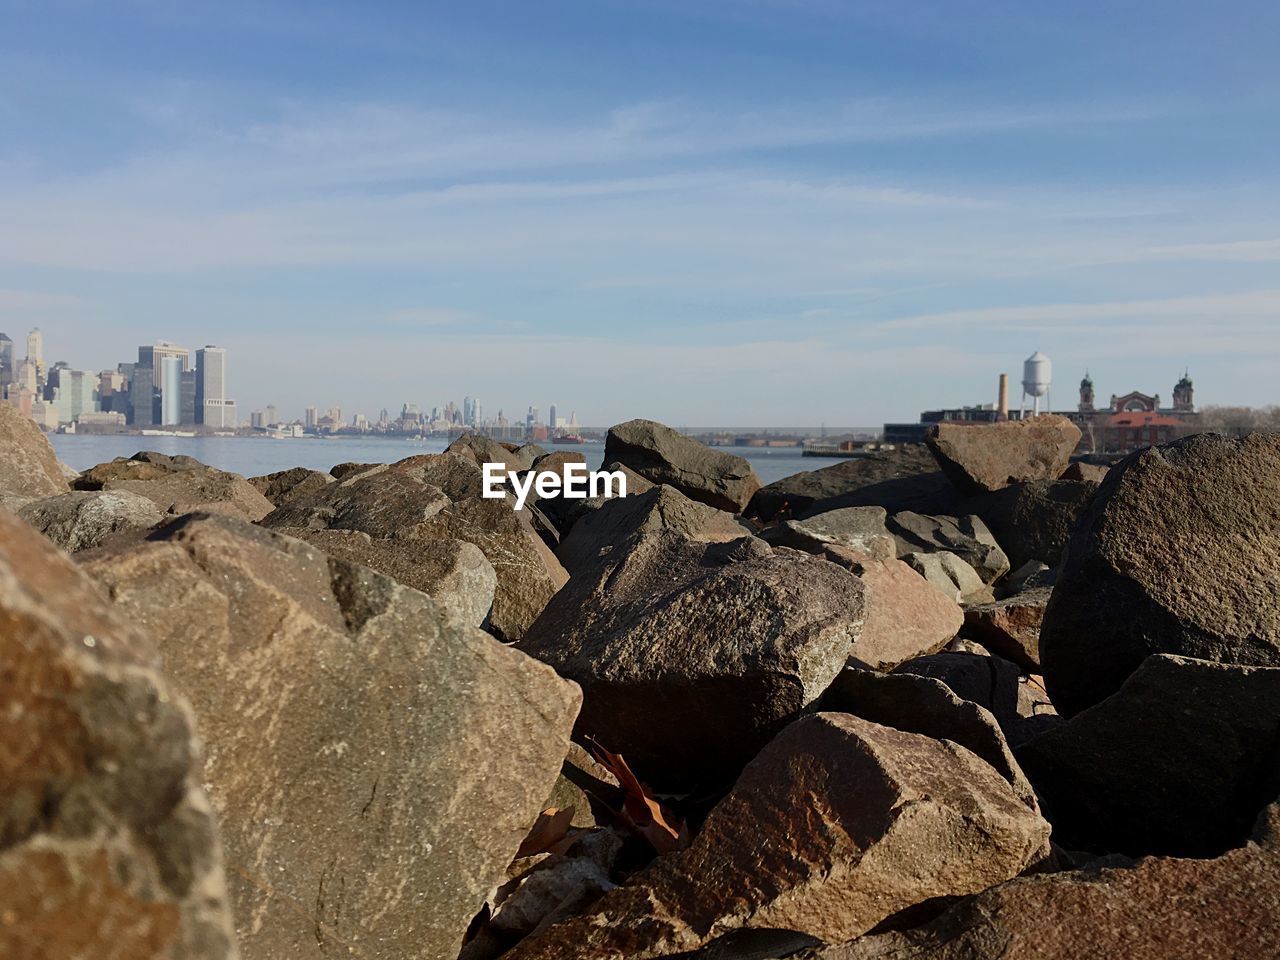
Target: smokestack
<point x="1002" y="403"/>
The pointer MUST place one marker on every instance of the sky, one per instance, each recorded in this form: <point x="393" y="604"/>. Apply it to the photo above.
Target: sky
<point x="733" y="212"/>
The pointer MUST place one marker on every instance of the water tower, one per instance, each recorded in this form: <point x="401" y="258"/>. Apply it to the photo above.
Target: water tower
<point x="1037" y="373"/>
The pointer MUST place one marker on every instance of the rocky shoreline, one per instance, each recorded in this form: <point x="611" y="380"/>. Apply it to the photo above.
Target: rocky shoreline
<point x="970" y="700"/>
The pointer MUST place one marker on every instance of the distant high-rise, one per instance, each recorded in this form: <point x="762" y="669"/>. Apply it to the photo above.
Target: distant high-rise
<point x="212" y="407"/>
<point x="76" y="393"/>
<point x="142" y="395"/>
<point x="170" y="389"/>
<point x="35" y="350"/>
<point x="311" y="417"/>
<point x="153" y="356"/>
<point x="552" y="422"/>
<point x="7" y="371"/>
<point x="271" y="415"/>
<point x="187" y="403"/>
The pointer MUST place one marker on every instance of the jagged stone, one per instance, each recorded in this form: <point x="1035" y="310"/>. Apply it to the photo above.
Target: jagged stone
<point x="380" y="501"/>
<point x="342" y="471"/>
<point x="1033" y="521"/>
<point x="979" y="458"/>
<point x="967" y="537"/>
<point x="1011" y="627"/>
<point x="284" y="486"/>
<point x="861" y="529"/>
<point x="108" y="847"/>
<point x="84" y="519"/>
<point x="28" y="466"/>
<point x="484" y="450"/>
<point x="662" y="455"/>
<point x="178" y="485"/>
<point x="564" y="512"/>
<point x="1178" y="552"/>
<point x="795" y="495"/>
<point x="951" y="576"/>
<point x="1079" y="470"/>
<point x="374" y="763"/>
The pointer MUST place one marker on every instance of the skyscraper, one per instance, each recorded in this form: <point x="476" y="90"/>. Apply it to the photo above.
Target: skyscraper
<point x="7" y="371"/>
<point x="170" y="389"/>
<point x="551" y="417"/>
<point x="312" y="415"/>
<point x="212" y="408"/>
<point x="35" y="350"/>
<point x="152" y="357"/>
<point x="142" y="395"/>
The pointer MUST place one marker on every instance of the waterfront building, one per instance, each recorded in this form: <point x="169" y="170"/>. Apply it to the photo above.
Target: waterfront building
<point x="7" y="370"/>
<point x="171" y="369"/>
<point x="212" y="408"/>
<point x="153" y="357"/>
<point x="35" y="351"/>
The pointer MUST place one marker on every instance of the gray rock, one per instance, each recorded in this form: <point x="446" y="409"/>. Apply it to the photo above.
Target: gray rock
<point x="662" y="455"/>
<point x="564" y="512"/>
<point x="84" y="519"/>
<point x="1178" y="552"/>
<point x="178" y="485"/>
<point x="980" y="458"/>
<point x="795" y="495"/>
<point x="692" y="655"/>
<point x="28" y="466"/>
<point x="856" y="528"/>
<point x="967" y="537"/>
<point x="835" y="826"/>
<point x="285" y="485"/>
<point x="381" y="502"/>
<point x="108" y="846"/>
<point x="1033" y="521"/>
<point x="374" y="763"/>
<point x="951" y="576"/>
<point x="483" y="450"/>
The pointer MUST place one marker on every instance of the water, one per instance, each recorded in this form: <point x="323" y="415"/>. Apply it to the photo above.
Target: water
<point x="254" y="456"/>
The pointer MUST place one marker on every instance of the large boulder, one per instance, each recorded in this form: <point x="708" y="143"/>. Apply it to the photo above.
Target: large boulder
<point x="482" y="450"/>
<point x="1178" y="761"/>
<point x="980" y="458"/>
<point x="381" y="502"/>
<point x="1033" y="521"/>
<point x="564" y="512"/>
<point x="285" y="485"/>
<point x="662" y="455"/>
<point x="1152" y="909"/>
<point x="906" y="617"/>
<point x="661" y="508"/>
<point x="1010" y="627"/>
<point x="83" y="519"/>
<point x="374" y="763"/>
<point x="861" y="529"/>
<point x="951" y="576"/>
<point x="1178" y="552"/>
<point x="28" y="466"/>
<point x="178" y="485"/>
<point x="692" y="655"/>
<point x="967" y="537"/>
<point x="528" y="572"/>
<point x="108" y="847"/>
<point x="793" y="496"/>
<point x="838" y="824"/>
<point x="454" y="573"/>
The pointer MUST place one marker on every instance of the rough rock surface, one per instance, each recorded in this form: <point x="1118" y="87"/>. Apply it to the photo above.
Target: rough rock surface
<point x="793" y="496"/>
<point x="528" y="572"/>
<point x="1079" y="470"/>
<point x="1179" y="552"/>
<point x="108" y="848"/>
<point x="1034" y="521"/>
<point x="951" y="576"/>
<point x="692" y="655"/>
<point x="661" y="508"/>
<point x="374" y="764"/>
<point x="349" y="468"/>
<point x="28" y="466"/>
<point x="1178" y="761"/>
<point x="285" y="485"/>
<point x="861" y="529"/>
<point x="906" y="617"/>
<point x="483" y="450"/>
<point x="836" y="825"/>
<point x="564" y="512"/>
<point x="1152" y="909"/>
<point x="84" y="519"/>
<point x="662" y="455"/>
<point x="986" y="457"/>
<point x="178" y="485"/>
<point x="455" y="574"/>
<point x="1010" y="627"/>
<point x="967" y="537"/>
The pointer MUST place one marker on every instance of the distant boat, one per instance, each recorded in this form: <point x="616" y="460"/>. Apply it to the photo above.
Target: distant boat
<point x="568" y="438"/>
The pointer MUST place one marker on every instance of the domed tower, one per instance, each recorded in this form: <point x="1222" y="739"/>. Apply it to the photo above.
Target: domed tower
<point x="1184" y="395"/>
<point x="1086" y="394"/>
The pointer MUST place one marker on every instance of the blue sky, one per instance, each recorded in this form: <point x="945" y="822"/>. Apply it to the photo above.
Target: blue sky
<point x="768" y="212"/>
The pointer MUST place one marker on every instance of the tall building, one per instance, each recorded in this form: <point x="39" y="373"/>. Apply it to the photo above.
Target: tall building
<point x="552" y="422"/>
<point x="170" y="389"/>
<point x="153" y="357"/>
<point x="270" y="415"/>
<point x="75" y="393"/>
<point x="7" y="371"/>
<point x="35" y="350"/>
<point x="1184" y="394"/>
<point x="142" y="397"/>
<point x="187" y="403"/>
<point x="212" y="408"/>
<point x="311" y="417"/>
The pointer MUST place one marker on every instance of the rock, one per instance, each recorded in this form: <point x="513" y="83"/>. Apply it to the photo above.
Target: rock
<point x="967" y="537"/>
<point x="1011" y="627"/>
<point x="455" y="574"/>
<point x="564" y="513"/>
<point x="662" y="455"/>
<point x="28" y="466"/>
<point x="1033" y="521"/>
<point x="1178" y="761"/>
<point x="342" y="471"/>
<point x="923" y="705"/>
<point x="951" y="576"/>
<point x="1029" y="576"/>
<point x="1178" y="552"/>
<point x="531" y="452"/>
<point x="905" y="616"/>
<point x="860" y="529"/>
<point x="793" y="496"/>
<point x="553" y="890"/>
<point x="380" y="502"/>
<point x="980" y="458"/>
<point x="284" y="486"/>
<point x="1079" y="470"/>
<point x="836" y="825"/>
<point x="84" y="519"/>
<point x="374" y="763"/>
<point x="528" y="572"/>
<point x="661" y="508"/>
<point x="1152" y="909"/>
<point x="484" y="450"/>
<point x="178" y="485"/>
<point x="107" y="843"/>
<point x="455" y="474"/>
<point x="692" y="655"/>
<point x="553" y="463"/>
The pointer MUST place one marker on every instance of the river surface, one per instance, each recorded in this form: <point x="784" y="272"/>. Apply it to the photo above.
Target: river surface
<point x="254" y="456"/>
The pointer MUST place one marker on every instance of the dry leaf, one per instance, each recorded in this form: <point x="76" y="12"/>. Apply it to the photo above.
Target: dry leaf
<point x="645" y="815"/>
<point x="548" y="830"/>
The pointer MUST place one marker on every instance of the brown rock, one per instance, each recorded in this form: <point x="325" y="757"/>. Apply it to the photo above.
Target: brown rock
<point x="1178" y="552"/>
<point x="564" y="513"/>
<point x="950" y="576"/>
<point x="906" y="617"/>
<point x="284" y="486"/>
<point x="484" y="450"/>
<point x="342" y="471"/>
<point x="861" y="529"/>
<point x="28" y="466"/>
<point x="178" y="485"/>
<point x="107" y="844"/>
<point x="662" y="455"/>
<point x="836" y="825"/>
<point x="1079" y="470"/>
<point x="456" y="474"/>
<point x="981" y="458"/>
<point x="84" y="519"/>
<point x="380" y="502"/>
<point x="374" y="763"/>
<point x="795" y="495"/>
<point x="967" y="537"/>
<point x="1011" y="627"/>
<point x="1033" y="521"/>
